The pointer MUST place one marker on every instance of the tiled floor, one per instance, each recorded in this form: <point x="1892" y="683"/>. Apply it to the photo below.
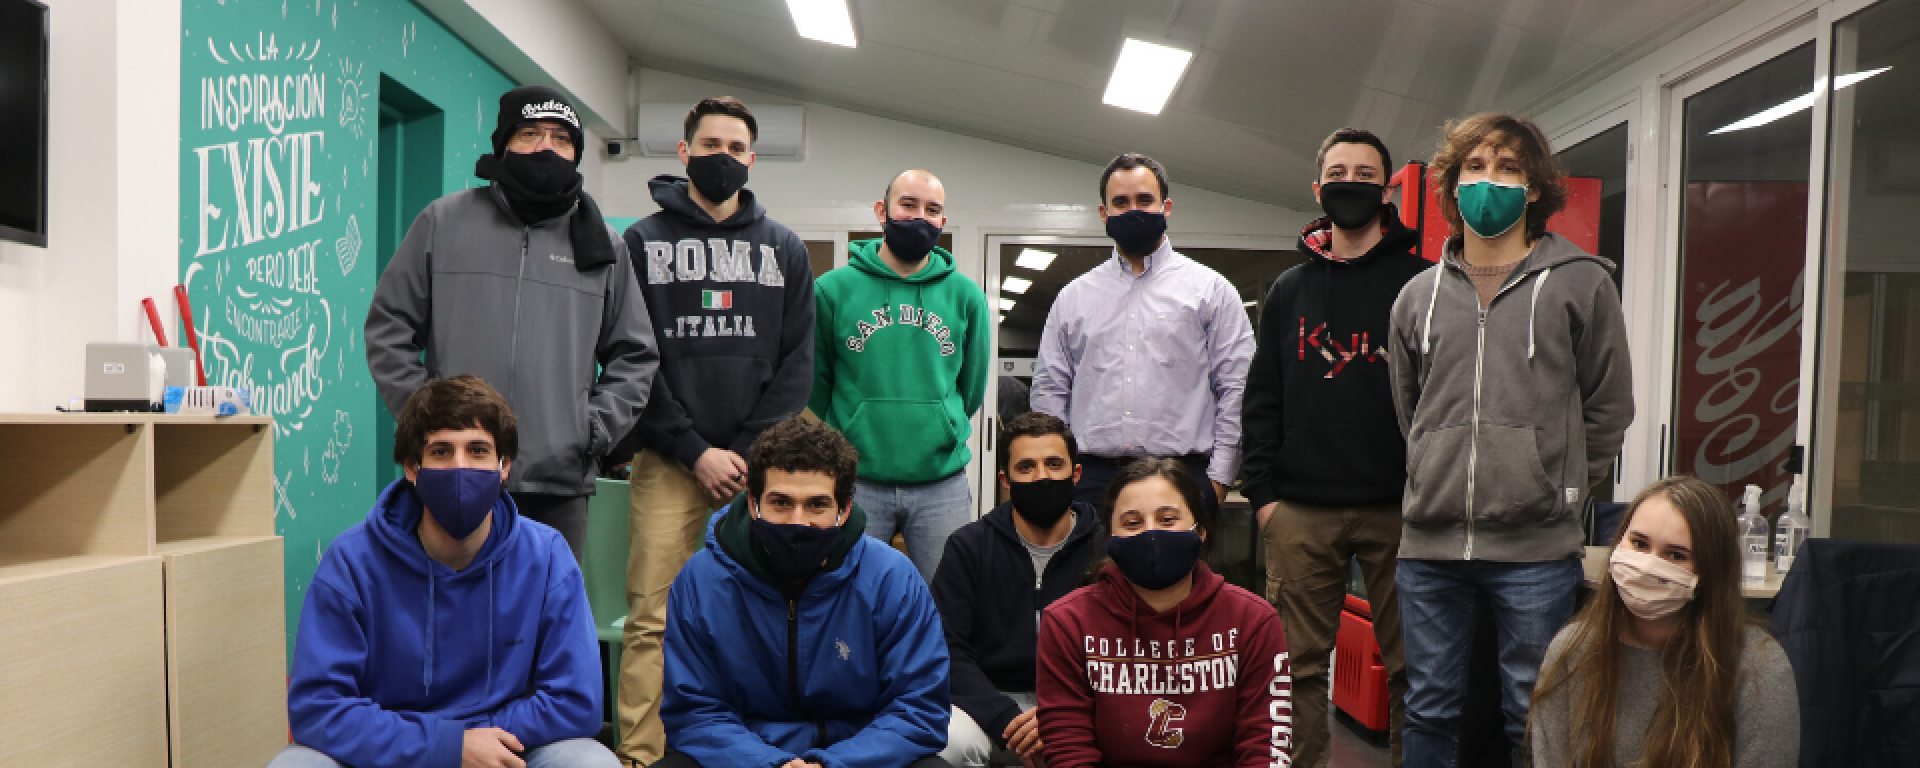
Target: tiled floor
<point x="1349" y="750"/>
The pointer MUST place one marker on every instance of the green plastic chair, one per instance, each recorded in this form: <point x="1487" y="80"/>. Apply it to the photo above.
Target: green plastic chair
<point x="603" y="562"/>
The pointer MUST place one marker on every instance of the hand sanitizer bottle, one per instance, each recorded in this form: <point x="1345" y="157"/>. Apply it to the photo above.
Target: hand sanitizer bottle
<point x="1790" y="531"/>
<point x="1755" y="535"/>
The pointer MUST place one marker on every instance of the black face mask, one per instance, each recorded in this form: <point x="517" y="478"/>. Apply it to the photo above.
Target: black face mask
<point x="717" y="176"/>
<point x="1137" y="233"/>
<point x="1042" y="502"/>
<point x="1351" y="204"/>
<point x="1155" y="559"/>
<point x="794" y="552"/>
<point x="910" y="239"/>
<point x="539" y="185"/>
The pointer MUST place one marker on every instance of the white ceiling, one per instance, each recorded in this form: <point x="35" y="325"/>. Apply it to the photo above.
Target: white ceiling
<point x="1269" y="80"/>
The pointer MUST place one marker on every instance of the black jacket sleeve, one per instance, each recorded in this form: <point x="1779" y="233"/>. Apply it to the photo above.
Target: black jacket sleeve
<point x="786" y="393"/>
<point x="953" y="592"/>
<point x="1262" y="411"/>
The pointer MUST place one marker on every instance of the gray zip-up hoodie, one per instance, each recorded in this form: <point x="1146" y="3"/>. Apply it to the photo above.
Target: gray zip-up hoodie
<point x="1511" y="414"/>
<point x="481" y="293"/>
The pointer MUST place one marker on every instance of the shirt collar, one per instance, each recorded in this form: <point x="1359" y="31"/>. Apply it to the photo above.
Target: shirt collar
<point x="1159" y="255"/>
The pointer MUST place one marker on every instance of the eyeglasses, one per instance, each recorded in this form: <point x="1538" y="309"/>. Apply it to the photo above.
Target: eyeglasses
<point x="530" y="136"/>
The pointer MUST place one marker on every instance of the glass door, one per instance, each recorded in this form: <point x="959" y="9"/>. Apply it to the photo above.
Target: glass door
<point x="1740" y="204"/>
<point x="1598" y="156"/>
<point x="1869" y="436"/>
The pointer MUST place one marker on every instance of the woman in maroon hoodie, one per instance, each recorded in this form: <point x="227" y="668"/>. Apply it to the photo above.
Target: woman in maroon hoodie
<point x="1160" y="661"/>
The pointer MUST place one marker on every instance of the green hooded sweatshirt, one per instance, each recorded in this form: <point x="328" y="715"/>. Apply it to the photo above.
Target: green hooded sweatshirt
<point x="900" y="363"/>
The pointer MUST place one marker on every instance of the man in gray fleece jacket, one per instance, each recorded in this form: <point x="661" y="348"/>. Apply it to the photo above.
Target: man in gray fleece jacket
<point x="1513" y="388"/>
<point x="523" y="284"/>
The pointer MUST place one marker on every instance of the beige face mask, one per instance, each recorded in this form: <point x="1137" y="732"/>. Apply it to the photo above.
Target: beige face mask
<point x="1652" y="587"/>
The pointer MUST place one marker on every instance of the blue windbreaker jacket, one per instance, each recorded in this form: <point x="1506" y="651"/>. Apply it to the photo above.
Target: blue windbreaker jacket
<point x="397" y="655"/>
<point x="870" y="667"/>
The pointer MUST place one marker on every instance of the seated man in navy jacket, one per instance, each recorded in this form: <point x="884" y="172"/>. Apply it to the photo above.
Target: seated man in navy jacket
<point x="446" y="630"/>
<point x="793" y="639"/>
<point x="998" y="574"/>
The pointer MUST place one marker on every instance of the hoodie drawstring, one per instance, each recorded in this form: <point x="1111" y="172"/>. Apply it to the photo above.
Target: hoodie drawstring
<point x="489" y="628"/>
<point x="1426" y="337"/>
<point x="426" y="675"/>
<point x="1534" y="309"/>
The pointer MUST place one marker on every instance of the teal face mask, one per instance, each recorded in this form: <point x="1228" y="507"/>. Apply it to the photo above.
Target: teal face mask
<point x="1490" y="208"/>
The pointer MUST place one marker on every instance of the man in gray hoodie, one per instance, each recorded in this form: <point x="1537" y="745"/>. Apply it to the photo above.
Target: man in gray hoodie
<point x="523" y="284"/>
<point x="1512" y="384"/>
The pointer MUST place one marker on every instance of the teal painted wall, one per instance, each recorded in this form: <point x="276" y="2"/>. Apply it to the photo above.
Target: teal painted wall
<point x="281" y="219"/>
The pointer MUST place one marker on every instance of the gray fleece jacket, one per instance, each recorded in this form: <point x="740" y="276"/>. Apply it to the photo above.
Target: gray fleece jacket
<point x="1511" y="414"/>
<point x="480" y="293"/>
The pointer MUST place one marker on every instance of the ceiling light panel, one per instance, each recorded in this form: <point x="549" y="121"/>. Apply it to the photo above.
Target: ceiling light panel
<point x="1006" y="304"/>
<point x="1145" y="75"/>
<point x="1036" y="260"/>
<point x="827" y="21"/>
<point x="1015" y="284"/>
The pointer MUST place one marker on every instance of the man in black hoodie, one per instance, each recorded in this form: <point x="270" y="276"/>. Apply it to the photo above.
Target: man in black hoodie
<point x="998" y="574"/>
<point x="731" y="292"/>
<point x="1325" y="461"/>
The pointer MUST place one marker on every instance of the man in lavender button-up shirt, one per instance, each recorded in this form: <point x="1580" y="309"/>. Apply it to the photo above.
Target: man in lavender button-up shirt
<point x="1147" y="353"/>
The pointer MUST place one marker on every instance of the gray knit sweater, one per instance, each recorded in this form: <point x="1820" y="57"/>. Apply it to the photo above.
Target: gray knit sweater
<point x="1767" y="721"/>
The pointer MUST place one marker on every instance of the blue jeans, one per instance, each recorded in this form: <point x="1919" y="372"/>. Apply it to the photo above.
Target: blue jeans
<point x="570" y="753"/>
<point x="1438" y="598"/>
<point x="926" y="514"/>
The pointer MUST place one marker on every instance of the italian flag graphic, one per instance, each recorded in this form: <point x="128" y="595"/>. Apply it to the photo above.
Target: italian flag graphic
<point x="716" y="299"/>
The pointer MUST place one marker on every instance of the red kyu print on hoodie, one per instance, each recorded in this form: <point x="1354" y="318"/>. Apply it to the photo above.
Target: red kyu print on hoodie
<point x="1205" y="684"/>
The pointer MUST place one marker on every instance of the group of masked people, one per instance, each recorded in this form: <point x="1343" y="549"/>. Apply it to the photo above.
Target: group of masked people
<point x="1441" y="424"/>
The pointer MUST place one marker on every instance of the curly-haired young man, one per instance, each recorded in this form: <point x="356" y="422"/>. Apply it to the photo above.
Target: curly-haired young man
<point x="793" y="639"/>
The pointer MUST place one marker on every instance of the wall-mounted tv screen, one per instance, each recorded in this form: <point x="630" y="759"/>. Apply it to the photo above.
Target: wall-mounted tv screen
<point x="23" y="121"/>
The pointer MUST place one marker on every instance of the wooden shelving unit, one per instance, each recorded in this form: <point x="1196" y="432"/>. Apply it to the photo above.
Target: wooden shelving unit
<point x="141" y="603"/>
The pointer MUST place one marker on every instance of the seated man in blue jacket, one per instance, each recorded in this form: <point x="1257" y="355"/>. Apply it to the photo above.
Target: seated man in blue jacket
<point x="998" y="574"/>
<point x="446" y="630"/>
<point x="795" y="640"/>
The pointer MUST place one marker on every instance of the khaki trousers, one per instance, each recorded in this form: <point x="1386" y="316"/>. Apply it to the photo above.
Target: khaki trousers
<point x="1307" y="552"/>
<point x="668" y="519"/>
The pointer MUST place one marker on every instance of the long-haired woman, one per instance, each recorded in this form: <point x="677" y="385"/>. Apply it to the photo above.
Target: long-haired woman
<point x="1663" y="669"/>
<point x="1159" y="661"/>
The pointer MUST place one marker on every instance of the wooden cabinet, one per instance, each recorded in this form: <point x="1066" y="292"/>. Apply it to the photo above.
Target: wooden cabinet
<point x="142" y="616"/>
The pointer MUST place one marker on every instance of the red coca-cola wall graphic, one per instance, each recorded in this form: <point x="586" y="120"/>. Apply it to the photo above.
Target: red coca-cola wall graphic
<point x="1737" y="402"/>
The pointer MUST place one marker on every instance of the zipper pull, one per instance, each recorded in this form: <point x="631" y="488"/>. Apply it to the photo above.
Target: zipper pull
<point x="793" y="610"/>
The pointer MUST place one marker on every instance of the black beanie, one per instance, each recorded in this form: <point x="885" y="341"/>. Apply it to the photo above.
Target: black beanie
<point x="532" y="103"/>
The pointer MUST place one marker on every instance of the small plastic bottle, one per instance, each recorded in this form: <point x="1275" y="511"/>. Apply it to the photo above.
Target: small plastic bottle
<point x="1755" y="536"/>
<point x="1790" y="531"/>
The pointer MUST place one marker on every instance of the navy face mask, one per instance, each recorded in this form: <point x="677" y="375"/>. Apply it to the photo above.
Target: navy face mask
<point x="794" y="552"/>
<point x="1156" y="559"/>
<point x="910" y="239"/>
<point x="458" y="499"/>
<point x="1137" y="232"/>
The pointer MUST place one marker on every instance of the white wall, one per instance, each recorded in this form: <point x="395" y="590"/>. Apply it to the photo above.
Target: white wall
<point x="991" y="188"/>
<point x="559" y="43"/>
<point x="113" y="189"/>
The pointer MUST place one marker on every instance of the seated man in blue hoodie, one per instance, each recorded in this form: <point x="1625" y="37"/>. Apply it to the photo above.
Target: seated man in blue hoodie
<point x="445" y="630"/>
<point x="793" y="639"/>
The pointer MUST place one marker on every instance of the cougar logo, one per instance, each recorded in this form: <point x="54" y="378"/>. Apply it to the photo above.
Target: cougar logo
<point x="1161" y="732"/>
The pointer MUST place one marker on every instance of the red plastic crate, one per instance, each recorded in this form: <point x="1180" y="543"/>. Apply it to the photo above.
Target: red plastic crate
<point x="1359" y="676"/>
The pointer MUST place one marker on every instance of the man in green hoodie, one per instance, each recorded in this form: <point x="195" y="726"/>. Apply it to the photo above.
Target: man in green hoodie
<point x="900" y="367"/>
